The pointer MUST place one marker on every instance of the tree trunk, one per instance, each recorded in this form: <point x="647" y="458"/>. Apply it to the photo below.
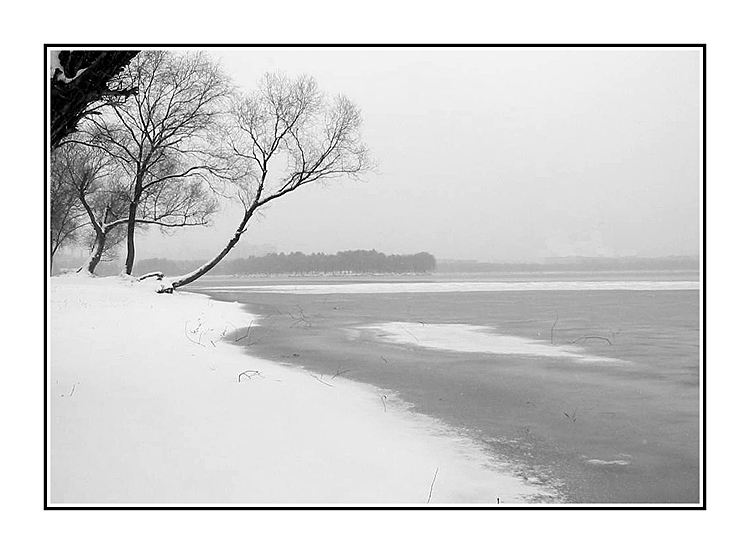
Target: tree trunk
<point x="55" y="246"/>
<point x="96" y="252"/>
<point x="208" y="266"/>
<point x="130" y="259"/>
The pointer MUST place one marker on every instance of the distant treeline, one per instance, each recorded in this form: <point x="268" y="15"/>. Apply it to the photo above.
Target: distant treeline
<point x="573" y="264"/>
<point x="350" y="261"/>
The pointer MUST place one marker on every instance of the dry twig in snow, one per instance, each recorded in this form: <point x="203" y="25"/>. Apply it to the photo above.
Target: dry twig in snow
<point x="432" y="484"/>
<point x="250" y="373"/>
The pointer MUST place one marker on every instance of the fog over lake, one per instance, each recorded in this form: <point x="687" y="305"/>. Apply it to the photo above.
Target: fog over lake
<point x="490" y="154"/>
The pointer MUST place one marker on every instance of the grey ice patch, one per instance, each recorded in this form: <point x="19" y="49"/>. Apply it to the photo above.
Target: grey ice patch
<point x="595" y="462"/>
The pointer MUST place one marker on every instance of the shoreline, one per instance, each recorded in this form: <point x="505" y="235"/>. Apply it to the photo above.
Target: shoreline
<point x="513" y="404"/>
<point x="148" y="405"/>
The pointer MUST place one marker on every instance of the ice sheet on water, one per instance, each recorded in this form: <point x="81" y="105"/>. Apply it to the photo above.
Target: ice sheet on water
<point x="460" y="286"/>
<point x="479" y="339"/>
<point x="596" y="462"/>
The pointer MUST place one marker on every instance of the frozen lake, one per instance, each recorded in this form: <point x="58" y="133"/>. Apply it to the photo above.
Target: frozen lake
<point x="590" y="384"/>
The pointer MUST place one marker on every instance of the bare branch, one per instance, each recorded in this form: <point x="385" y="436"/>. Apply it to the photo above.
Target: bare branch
<point x="287" y="123"/>
<point x="165" y="140"/>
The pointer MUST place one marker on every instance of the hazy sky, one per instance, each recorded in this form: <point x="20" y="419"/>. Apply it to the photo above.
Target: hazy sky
<point x="491" y="154"/>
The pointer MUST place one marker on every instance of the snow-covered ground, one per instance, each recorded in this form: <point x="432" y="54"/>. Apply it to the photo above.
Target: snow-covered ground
<point x="147" y="404"/>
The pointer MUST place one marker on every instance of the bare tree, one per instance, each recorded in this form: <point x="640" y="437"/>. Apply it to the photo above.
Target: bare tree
<point x="164" y="139"/>
<point x="95" y="184"/>
<point x="67" y="217"/>
<point x="288" y="135"/>
<point x="79" y="80"/>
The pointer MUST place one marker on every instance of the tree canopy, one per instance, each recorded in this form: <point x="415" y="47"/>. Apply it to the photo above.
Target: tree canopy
<point x="79" y="80"/>
<point x="157" y="137"/>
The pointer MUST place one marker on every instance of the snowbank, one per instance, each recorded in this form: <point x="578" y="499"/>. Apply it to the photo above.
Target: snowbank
<point x="147" y="404"/>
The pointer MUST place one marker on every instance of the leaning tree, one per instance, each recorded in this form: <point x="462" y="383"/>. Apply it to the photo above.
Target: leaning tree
<point x="165" y="139"/>
<point x="287" y="135"/>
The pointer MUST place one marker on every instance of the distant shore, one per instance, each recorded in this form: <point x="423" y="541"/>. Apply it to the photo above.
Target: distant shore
<point x="376" y="263"/>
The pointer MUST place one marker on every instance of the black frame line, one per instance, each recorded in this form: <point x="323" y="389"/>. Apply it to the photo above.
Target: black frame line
<point x="703" y="290"/>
